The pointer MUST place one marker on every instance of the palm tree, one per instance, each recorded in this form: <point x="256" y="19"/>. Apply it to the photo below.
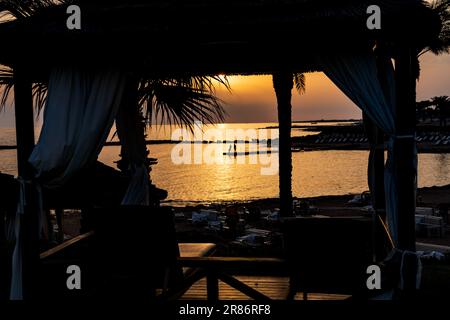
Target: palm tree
<point x="283" y="83"/>
<point x="440" y="44"/>
<point x="442" y="105"/>
<point x="181" y="101"/>
<point x="422" y="109"/>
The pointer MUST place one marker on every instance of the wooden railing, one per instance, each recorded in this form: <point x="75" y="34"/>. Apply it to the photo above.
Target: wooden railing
<point x="223" y="268"/>
<point x="61" y="247"/>
<point x="213" y="268"/>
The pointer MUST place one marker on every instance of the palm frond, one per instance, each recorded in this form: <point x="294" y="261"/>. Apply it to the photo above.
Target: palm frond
<point x="174" y="101"/>
<point x="39" y="90"/>
<point x="440" y="44"/>
<point x="26" y="8"/>
<point x="6" y="85"/>
<point x="203" y="83"/>
<point x="6" y="16"/>
<point x="181" y="102"/>
<point x="300" y="82"/>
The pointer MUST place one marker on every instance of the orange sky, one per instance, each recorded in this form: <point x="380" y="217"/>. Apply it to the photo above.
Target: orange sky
<point x="253" y="99"/>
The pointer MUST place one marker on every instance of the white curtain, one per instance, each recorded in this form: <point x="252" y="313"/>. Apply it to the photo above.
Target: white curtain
<point x="78" y="116"/>
<point x="376" y="148"/>
<point x="138" y="192"/>
<point x="357" y="75"/>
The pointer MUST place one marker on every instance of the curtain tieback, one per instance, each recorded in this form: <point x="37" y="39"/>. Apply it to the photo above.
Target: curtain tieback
<point x="393" y="137"/>
<point x="22" y="194"/>
<point x="42" y="227"/>
<point x="16" y="292"/>
<point x="418" y="271"/>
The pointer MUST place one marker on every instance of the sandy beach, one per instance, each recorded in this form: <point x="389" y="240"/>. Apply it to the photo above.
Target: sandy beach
<point x="332" y="206"/>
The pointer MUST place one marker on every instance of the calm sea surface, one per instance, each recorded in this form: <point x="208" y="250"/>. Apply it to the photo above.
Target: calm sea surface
<point x="314" y="173"/>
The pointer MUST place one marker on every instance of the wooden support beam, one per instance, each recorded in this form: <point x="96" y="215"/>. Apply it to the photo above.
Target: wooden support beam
<point x="405" y="147"/>
<point x="378" y="158"/>
<point x="212" y="286"/>
<point x="244" y="288"/>
<point x="63" y="246"/>
<point x="381" y="244"/>
<point x="375" y="175"/>
<point x="376" y="164"/>
<point x="29" y="234"/>
<point x="24" y="121"/>
<point x="232" y="264"/>
<point x="283" y="84"/>
<point x="405" y="157"/>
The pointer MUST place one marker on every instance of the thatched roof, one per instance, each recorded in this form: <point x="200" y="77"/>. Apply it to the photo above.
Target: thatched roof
<point x="209" y="36"/>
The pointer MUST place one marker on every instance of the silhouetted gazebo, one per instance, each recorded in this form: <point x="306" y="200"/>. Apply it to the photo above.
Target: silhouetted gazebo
<point x="164" y="38"/>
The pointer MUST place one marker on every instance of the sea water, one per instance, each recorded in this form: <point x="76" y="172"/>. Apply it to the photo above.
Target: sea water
<point x="315" y="173"/>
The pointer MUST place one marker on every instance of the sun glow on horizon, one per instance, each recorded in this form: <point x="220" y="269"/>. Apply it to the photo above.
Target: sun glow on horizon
<point x="252" y="99"/>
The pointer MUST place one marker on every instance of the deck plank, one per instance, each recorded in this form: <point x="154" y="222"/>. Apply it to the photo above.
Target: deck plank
<point x="193" y="250"/>
<point x="190" y="250"/>
<point x="275" y="288"/>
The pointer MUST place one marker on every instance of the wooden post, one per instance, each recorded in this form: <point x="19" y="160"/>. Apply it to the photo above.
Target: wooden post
<point x="29" y="234"/>
<point x="380" y="202"/>
<point x="24" y="121"/>
<point x="376" y="139"/>
<point x="212" y="286"/>
<point x="283" y="84"/>
<point x="380" y="237"/>
<point x="405" y="148"/>
<point x="376" y="185"/>
<point x="381" y="241"/>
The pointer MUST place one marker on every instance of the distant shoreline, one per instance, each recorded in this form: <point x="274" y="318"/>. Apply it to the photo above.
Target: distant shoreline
<point x="348" y="135"/>
<point x="430" y="138"/>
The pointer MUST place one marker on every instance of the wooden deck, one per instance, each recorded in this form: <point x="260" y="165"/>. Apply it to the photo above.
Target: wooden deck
<point x="275" y="288"/>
